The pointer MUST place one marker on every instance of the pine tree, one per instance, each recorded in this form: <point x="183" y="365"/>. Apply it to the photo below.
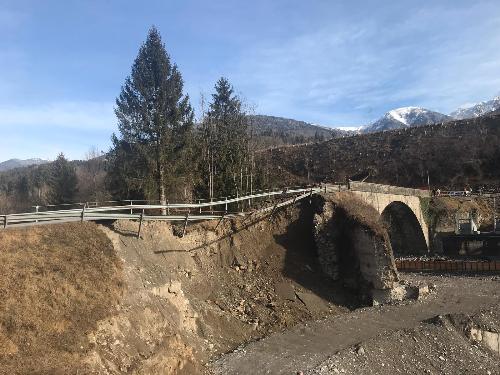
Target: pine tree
<point x="155" y="121"/>
<point x="225" y="139"/>
<point x="63" y="181"/>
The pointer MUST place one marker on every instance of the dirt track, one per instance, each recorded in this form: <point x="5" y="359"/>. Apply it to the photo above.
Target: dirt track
<point x="308" y="346"/>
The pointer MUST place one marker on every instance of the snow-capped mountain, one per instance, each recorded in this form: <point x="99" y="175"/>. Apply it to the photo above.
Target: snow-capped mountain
<point x="406" y="117"/>
<point x="477" y="110"/>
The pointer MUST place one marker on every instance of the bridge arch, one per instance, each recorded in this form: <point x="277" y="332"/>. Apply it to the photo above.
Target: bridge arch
<point x="383" y="196"/>
<point x="404" y="229"/>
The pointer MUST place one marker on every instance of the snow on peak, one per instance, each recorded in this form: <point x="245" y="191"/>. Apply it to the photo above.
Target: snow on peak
<point x="402" y="114"/>
<point x="406" y="117"/>
<point x="477" y="109"/>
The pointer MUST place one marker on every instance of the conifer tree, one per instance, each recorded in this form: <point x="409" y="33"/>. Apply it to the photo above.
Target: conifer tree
<point x="155" y="120"/>
<point x="225" y="139"/>
<point x="63" y="181"/>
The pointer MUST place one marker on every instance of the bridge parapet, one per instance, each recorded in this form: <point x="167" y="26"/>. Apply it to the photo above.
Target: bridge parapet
<point x="370" y="187"/>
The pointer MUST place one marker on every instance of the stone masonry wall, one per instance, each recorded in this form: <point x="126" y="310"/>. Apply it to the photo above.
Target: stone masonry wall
<point x="352" y="245"/>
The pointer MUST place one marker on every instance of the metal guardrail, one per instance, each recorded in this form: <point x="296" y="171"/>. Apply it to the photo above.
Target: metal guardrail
<point x="206" y="210"/>
<point x="143" y="212"/>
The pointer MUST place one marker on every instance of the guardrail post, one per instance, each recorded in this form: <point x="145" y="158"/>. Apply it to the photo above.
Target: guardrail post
<point x="226" y="204"/>
<point x="168" y="208"/>
<point x="220" y="221"/>
<point x="36" y="210"/>
<point x="185" y="224"/>
<point x="140" y="224"/>
<point x="199" y="202"/>
<point x="83" y="212"/>
<point x="5" y="219"/>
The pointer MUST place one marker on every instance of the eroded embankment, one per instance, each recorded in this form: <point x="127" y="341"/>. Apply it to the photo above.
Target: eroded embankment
<point x="108" y="302"/>
<point x="190" y="299"/>
<point x="96" y="299"/>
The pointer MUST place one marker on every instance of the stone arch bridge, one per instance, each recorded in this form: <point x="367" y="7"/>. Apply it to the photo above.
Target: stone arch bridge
<point x="400" y="208"/>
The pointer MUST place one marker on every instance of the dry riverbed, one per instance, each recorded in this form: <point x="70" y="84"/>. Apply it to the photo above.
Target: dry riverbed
<point x="430" y="336"/>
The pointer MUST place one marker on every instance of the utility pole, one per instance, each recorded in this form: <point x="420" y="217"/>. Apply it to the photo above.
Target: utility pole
<point x="494" y="214"/>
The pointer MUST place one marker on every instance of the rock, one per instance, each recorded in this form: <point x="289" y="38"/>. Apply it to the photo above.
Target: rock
<point x="174" y="287"/>
<point x="383" y="296"/>
<point x="238" y="259"/>
<point x="312" y="302"/>
<point x="422" y="291"/>
<point x="491" y="340"/>
<point x="476" y="334"/>
<point x="285" y="290"/>
<point x="360" y="350"/>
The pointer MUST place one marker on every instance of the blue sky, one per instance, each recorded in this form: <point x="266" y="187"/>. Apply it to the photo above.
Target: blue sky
<point x="337" y="63"/>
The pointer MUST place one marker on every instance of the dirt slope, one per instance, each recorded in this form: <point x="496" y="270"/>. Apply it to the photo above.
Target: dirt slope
<point x="190" y="299"/>
<point x="82" y="298"/>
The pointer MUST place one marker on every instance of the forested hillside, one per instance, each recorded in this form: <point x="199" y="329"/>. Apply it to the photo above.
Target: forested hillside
<point x="272" y="131"/>
<point x="454" y="155"/>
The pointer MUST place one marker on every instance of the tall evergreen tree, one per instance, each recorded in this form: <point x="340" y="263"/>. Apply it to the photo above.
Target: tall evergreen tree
<point x="225" y="139"/>
<point x="155" y="121"/>
<point x="63" y="181"/>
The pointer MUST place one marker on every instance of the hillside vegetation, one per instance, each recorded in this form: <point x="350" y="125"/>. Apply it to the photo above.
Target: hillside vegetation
<point x="454" y="154"/>
<point x="271" y="131"/>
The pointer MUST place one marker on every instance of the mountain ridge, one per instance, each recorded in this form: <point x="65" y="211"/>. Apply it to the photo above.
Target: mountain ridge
<point x="477" y="109"/>
<point x="406" y="117"/>
<point x="20" y="163"/>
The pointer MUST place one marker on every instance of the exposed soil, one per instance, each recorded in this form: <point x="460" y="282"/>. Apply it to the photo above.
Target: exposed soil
<point x="83" y="298"/>
<point x="213" y="289"/>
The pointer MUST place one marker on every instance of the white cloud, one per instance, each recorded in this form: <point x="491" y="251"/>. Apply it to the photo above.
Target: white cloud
<point x="345" y="72"/>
